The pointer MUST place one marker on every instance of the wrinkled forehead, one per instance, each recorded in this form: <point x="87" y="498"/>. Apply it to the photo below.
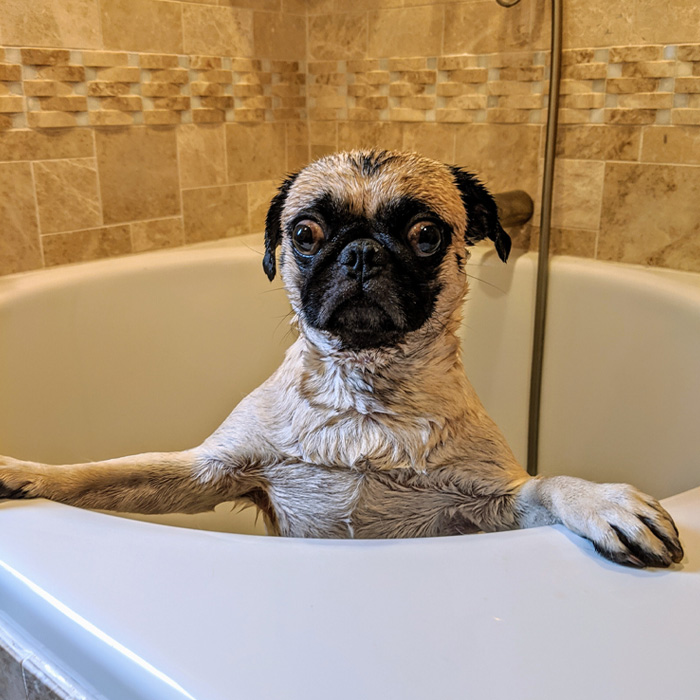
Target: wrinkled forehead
<point x="364" y="183"/>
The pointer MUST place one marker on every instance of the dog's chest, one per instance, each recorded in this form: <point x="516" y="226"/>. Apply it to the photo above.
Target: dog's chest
<point x="307" y="500"/>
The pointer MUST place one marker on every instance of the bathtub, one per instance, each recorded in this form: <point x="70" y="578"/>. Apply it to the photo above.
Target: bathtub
<point x="151" y="353"/>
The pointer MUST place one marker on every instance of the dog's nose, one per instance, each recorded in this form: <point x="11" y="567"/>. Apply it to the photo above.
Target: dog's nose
<point x="363" y="258"/>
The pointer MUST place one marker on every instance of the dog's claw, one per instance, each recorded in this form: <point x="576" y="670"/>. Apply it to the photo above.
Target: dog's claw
<point x="624" y="524"/>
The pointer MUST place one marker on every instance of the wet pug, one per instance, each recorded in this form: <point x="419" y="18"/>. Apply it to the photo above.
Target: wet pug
<point x="369" y="428"/>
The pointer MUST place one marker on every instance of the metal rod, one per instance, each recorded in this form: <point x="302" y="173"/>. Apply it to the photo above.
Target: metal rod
<point x="543" y="257"/>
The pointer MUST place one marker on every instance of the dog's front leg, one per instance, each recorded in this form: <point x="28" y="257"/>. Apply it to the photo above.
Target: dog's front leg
<point x="158" y="482"/>
<point x="625" y="525"/>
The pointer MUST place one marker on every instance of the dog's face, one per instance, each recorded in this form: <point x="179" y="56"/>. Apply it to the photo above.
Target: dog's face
<point x="374" y="243"/>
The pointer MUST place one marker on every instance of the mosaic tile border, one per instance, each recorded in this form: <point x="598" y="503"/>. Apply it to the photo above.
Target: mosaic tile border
<point x="618" y="85"/>
<point x="54" y="88"/>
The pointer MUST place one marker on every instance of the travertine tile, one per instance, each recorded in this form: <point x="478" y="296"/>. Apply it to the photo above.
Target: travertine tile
<point x="604" y="23"/>
<point x="255" y="151"/>
<point x="279" y="36"/>
<point x="651" y="215"/>
<point x="202" y="154"/>
<point x="156" y="234"/>
<point x="142" y="25"/>
<point x="577" y="196"/>
<point x="214" y="31"/>
<point x="80" y="246"/>
<point x="387" y="135"/>
<point x="483" y="26"/>
<point x="67" y="194"/>
<point x="414" y="31"/>
<point x="73" y="24"/>
<point x="215" y="212"/>
<point x="27" y="144"/>
<point x="432" y="140"/>
<point x="337" y="36"/>
<point x="260" y="195"/>
<point x="598" y="142"/>
<point x="564" y="241"/>
<point x="138" y="174"/>
<point x="505" y="156"/>
<point x="19" y="240"/>
<point x="671" y="144"/>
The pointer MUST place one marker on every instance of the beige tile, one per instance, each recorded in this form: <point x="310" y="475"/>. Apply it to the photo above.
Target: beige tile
<point x="156" y="234"/>
<point x="28" y="144"/>
<point x="324" y="134"/>
<point x="671" y="144"/>
<point x="577" y="196"/>
<point x="598" y="142"/>
<point x="564" y="241"/>
<point x="504" y="156"/>
<point x="388" y="135"/>
<point x="215" y="212"/>
<point x="81" y="246"/>
<point x="142" y="25"/>
<point x="56" y="23"/>
<point x="255" y="151"/>
<point x="432" y="140"/>
<point x="19" y="241"/>
<point x="486" y="27"/>
<point x="260" y="195"/>
<point x="337" y="37"/>
<point x="408" y="31"/>
<point x="67" y="194"/>
<point x="279" y="37"/>
<point x="651" y="215"/>
<point x="202" y="154"/>
<point x="214" y="31"/>
<point x="618" y="23"/>
<point x="138" y="174"/>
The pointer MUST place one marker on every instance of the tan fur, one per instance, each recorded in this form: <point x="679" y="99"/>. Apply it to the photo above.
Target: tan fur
<point x="380" y="442"/>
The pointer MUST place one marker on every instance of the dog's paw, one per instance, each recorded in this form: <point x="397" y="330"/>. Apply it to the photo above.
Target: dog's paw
<point x="625" y="525"/>
<point x="14" y="479"/>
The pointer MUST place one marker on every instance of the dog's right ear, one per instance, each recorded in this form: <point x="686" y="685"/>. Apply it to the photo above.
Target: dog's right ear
<point x="273" y="226"/>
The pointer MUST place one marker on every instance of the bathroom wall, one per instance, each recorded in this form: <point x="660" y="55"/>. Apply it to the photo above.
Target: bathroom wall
<point x="128" y="125"/>
<point x="466" y="81"/>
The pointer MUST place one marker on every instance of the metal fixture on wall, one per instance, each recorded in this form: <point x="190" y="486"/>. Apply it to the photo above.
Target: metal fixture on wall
<point x="545" y="226"/>
<point x="543" y="255"/>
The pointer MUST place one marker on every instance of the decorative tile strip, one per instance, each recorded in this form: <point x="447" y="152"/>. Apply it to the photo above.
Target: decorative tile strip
<point x="211" y="87"/>
<point x="252" y="79"/>
<point x="11" y="100"/>
<point x="288" y="91"/>
<point x="163" y="87"/>
<point x="55" y="88"/>
<point x="110" y="89"/>
<point x="48" y="88"/>
<point x="687" y="88"/>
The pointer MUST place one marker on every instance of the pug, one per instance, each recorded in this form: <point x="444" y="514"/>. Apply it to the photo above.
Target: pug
<point x="369" y="428"/>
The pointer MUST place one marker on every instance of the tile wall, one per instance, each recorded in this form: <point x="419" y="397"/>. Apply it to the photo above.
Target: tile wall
<point x="130" y="125"/>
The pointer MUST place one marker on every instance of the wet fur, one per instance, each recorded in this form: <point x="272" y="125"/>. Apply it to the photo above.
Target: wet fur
<point x="388" y="441"/>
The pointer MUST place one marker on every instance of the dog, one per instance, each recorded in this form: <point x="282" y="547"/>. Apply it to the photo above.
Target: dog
<point x="369" y="428"/>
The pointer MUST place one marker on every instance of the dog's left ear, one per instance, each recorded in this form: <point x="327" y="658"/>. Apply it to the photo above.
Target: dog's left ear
<point x="273" y="226"/>
<point x="482" y="213"/>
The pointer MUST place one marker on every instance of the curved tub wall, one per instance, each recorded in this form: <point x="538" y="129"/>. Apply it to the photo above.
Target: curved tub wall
<point x="621" y="381"/>
<point x="151" y="353"/>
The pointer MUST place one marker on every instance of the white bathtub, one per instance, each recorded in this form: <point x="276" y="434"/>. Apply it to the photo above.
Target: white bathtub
<point x="151" y="353"/>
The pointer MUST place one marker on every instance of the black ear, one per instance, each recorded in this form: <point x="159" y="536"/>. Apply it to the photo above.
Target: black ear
<point x="273" y="226"/>
<point x="482" y="213"/>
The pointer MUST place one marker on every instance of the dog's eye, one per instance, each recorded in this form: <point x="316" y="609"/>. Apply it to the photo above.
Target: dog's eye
<point x="307" y="237"/>
<point x="425" y="238"/>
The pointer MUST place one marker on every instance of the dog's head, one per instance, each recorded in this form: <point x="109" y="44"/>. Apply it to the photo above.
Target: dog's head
<point x="374" y="243"/>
